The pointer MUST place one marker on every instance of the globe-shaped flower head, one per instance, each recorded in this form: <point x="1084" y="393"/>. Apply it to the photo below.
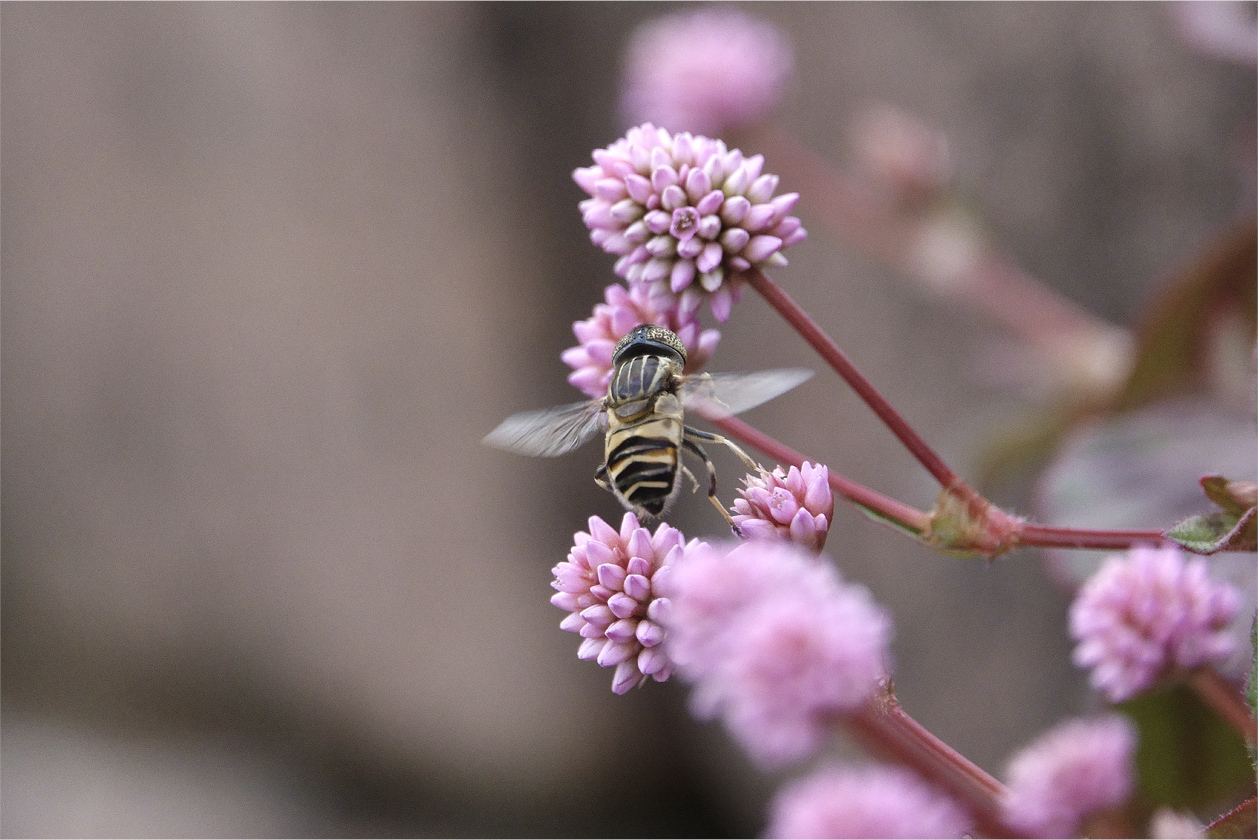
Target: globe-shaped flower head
<point x="1146" y="615"/>
<point x="775" y="642"/>
<point x="685" y="215"/>
<point x="705" y="71"/>
<point x="1076" y="769"/>
<point x="609" y="586"/>
<point x="838" y="801"/>
<point x="795" y="505"/>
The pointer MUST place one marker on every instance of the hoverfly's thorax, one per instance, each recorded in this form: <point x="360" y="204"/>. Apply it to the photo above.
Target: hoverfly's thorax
<point x="641" y="378"/>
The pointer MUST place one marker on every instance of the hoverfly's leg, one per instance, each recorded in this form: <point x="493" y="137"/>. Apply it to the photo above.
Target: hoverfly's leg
<point x="737" y="450"/>
<point x="693" y="448"/>
<point x="694" y="482"/>
<point x="600" y="478"/>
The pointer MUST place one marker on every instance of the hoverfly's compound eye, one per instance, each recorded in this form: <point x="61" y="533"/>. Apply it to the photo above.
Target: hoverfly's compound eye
<point x="652" y="339"/>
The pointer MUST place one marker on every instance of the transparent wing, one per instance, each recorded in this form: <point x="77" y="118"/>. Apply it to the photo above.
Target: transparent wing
<point x="734" y="393"/>
<point x="549" y="432"/>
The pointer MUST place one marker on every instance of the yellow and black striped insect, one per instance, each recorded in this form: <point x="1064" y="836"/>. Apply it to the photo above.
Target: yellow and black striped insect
<point x="643" y="420"/>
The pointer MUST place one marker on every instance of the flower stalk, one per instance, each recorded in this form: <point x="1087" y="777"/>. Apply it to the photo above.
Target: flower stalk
<point x="896" y="513"/>
<point x="837" y="359"/>
<point x="883" y="725"/>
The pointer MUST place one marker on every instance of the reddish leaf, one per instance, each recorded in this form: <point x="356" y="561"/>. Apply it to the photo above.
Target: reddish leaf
<point x="1175" y="337"/>
<point x="1233" y="496"/>
<point x="1241" y="821"/>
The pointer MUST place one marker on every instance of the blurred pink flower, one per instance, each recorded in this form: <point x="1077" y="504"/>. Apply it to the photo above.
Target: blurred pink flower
<point x="1225" y="29"/>
<point x="867" y="802"/>
<point x="705" y="71"/>
<point x="775" y="643"/>
<point x="1146" y="613"/>
<point x="1075" y="769"/>
<point x="685" y="214"/>
<point x="623" y="310"/>
<point x="608" y="585"/>
<point x="796" y="505"/>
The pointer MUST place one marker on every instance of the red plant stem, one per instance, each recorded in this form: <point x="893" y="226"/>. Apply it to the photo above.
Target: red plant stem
<point x="830" y="351"/>
<point x="1055" y="536"/>
<point x="896" y="511"/>
<point x="884" y="726"/>
<point x="1219" y="694"/>
<point x="1028" y="534"/>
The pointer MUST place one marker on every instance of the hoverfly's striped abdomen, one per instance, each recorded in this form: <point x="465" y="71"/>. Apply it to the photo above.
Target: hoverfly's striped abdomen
<point x="644" y="431"/>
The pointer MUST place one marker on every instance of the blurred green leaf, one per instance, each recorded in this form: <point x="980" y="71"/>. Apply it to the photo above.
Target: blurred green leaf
<point x="886" y="520"/>
<point x="1142" y="469"/>
<point x="1188" y="757"/>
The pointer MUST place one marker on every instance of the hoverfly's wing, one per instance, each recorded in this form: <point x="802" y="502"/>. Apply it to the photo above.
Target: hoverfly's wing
<point x="733" y="393"/>
<point x="549" y="432"/>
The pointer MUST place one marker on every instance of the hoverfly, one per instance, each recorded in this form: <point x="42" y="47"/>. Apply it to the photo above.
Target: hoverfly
<point x="642" y="418"/>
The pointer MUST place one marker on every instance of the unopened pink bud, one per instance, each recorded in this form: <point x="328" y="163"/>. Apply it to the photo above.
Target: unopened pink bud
<point x="772" y="502"/>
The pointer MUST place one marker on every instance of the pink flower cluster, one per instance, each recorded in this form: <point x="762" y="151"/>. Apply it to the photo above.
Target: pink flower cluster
<point x="622" y="310"/>
<point x="609" y="586"/>
<point x="796" y="505"/>
<point x="705" y="71"/>
<point x="869" y="802"/>
<point x="1222" y="29"/>
<point x="1076" y="769"/>
<point x="685" y="214"/>
<point x="774" y="642"/>
<point x="1147" y="613"/>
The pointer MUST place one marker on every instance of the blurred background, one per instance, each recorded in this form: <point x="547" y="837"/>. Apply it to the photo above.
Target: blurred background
<point x="271" y="272"/>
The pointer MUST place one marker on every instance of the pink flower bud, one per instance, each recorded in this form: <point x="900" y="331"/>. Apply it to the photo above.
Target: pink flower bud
<point x="778" y="503"/>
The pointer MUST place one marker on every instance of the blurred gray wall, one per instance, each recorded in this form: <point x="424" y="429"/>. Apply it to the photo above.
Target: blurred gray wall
<point x="271" y="271"/>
